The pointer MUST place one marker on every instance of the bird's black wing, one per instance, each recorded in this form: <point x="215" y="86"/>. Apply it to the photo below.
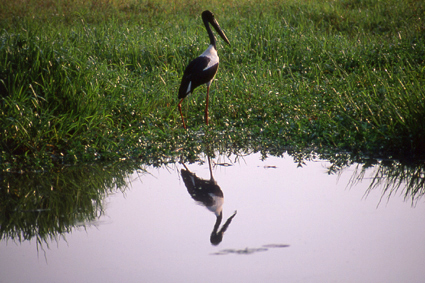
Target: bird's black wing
<point x="196" y="75"/>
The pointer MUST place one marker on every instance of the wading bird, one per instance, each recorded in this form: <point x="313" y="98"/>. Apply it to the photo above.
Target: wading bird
<point x="203" y="69"/>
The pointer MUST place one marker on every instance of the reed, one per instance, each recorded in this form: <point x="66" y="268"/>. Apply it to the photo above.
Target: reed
<point x="97" y="80"/>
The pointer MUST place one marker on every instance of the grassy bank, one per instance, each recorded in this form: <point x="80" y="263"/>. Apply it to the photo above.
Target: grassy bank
<point x="94" y="80"/>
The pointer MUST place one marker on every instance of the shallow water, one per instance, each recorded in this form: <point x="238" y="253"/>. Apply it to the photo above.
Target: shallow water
<point x="292" y="225"/>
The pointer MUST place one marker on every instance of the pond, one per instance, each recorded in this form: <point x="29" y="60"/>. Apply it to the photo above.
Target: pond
<point x="271" y="220"/>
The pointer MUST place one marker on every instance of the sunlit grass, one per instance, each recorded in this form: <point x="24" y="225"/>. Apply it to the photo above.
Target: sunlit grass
<point x="93" y="80"/>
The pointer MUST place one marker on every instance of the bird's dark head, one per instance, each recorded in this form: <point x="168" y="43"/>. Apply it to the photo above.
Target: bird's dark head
<point x="208" y="16"/>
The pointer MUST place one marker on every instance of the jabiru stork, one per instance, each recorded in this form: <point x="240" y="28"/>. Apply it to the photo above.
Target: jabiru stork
<point x="202" y="69"/>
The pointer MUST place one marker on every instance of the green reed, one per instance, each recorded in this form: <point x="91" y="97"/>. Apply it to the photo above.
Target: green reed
<point x="97" y="80"/>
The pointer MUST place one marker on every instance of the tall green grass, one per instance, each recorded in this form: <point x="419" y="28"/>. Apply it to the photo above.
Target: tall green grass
<point x="94" y="80"/>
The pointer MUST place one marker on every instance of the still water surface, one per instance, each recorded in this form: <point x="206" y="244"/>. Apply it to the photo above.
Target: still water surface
<point x="292" y="225"/>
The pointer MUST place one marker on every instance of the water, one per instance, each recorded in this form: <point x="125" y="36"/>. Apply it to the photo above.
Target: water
<point x="292" y="225"/>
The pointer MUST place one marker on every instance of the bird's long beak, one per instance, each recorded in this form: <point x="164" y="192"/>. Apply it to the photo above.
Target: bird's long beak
<point x="216" y="26"/>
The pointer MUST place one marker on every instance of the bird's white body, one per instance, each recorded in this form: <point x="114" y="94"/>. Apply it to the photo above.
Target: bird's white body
<point x="211" y="53"/>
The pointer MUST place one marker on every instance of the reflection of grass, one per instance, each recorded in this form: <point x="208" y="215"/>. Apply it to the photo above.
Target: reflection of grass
<point x="389" y="175"/>
<point x="97" y="80"/>
<point x="44" y="206"/>
<point x="392" y="177"/>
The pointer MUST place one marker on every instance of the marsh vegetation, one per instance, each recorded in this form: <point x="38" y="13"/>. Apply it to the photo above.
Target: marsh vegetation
<point x="82" y="81"/>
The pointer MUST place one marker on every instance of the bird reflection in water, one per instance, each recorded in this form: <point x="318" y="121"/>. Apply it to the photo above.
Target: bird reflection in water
<point x="209" y="194"/>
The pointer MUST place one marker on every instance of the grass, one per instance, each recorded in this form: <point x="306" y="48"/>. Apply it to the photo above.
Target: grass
<point x="82" y="81"/>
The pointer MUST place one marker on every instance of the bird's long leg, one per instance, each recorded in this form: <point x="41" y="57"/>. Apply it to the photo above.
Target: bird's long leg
<point x="206" y="105"/>
<point x="181" y="114"/>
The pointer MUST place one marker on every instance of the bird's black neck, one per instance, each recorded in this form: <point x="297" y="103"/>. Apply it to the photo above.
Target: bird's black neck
<point x="210" y="33"/>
